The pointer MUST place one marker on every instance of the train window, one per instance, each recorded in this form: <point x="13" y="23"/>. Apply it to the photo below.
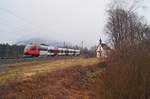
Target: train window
<point x="33" y="48"/>
<point x="56" y="51"/>
<point x="28" y="47"/>
<point x="50" y="51"/>
<point x="42" y="49"/>
<point x="66" y="51"/>
<point x="53" y="51"/>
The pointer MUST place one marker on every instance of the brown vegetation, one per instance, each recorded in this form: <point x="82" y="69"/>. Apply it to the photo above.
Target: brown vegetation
<point x="127" y="75"/>
<point x="25" y="70"/>
<point x="78" y="82"/>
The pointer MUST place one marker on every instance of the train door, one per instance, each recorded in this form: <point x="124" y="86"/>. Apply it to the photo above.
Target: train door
<point x="43" y="50"/>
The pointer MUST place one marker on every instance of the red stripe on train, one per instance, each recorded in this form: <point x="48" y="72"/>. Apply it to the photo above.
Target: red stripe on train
<point x="33" y="52"/>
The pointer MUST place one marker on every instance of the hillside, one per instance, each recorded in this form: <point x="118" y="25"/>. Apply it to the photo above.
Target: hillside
<point x="41" y="41"/>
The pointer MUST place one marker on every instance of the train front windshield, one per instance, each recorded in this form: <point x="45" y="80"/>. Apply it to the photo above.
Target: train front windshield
<point x="28" y="47"/>
<point x="31" y="47"/>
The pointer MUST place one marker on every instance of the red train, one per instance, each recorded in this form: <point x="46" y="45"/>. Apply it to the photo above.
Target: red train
<point x="36" y="50"/>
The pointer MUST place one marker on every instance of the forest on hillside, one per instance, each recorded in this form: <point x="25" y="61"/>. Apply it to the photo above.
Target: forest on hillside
<point x="11" y="51"/>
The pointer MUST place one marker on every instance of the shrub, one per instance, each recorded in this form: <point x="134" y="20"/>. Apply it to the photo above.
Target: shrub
<point x="127" y="76"/>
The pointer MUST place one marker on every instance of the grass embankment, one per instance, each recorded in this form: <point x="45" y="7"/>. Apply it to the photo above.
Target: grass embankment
<point x="22" y="71"/>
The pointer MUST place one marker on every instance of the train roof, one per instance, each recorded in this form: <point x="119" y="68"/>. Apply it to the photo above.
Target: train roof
<point x="37" y="44"/>
<point x="52" y="47"/>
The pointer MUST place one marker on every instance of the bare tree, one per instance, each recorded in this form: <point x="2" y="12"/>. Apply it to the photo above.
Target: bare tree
<point x="127" y="75"/>
<point x="125" y="28"/>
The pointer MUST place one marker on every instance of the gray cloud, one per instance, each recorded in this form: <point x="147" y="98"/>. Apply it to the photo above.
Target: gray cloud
<point x="64" y="20"/>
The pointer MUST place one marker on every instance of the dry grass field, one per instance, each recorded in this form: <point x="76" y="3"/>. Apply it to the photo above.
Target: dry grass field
<point x="25" y="70"/>
<point x="59" y="79"/>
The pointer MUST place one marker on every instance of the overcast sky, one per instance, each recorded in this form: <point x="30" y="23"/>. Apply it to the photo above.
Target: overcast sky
<point x="63" y="20"/>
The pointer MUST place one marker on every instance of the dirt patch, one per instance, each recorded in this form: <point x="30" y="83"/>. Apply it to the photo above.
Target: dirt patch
<point x="79" y="82"/>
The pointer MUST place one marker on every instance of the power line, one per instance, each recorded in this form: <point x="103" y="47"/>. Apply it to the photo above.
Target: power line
<point x="19" y="17"/>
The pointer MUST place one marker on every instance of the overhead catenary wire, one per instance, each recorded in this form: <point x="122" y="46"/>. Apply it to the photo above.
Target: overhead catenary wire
<point x="21" y="18"/>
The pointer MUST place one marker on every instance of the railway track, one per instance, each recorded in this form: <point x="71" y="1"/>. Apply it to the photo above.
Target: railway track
<point x="5" y="64"/>
<point x="18" y="60"/>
